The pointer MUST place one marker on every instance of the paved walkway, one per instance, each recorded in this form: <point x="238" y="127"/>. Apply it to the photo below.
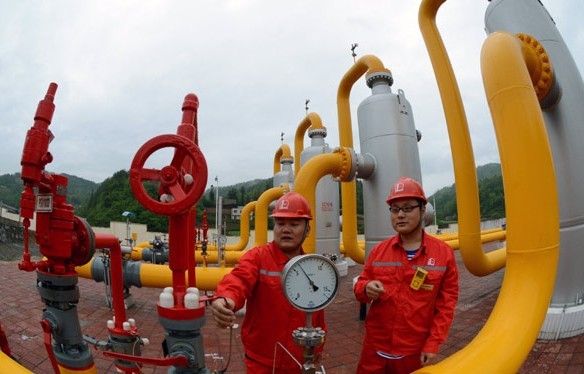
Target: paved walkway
<point x="21" y="310"/>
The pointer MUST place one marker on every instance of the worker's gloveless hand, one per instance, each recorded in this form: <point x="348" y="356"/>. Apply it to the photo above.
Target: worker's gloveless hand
<point x="223" y="312"/>
<point x="427" y="358"/>
<point x="374" y="289"/>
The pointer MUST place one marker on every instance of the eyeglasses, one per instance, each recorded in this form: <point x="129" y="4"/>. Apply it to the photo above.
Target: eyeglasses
<point x="406" y="209"/>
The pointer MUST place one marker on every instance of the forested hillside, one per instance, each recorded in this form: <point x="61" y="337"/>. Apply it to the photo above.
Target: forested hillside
<point x="105" y="202"/>
<point x="491" y="196"/>
<point x="78" y="191"/>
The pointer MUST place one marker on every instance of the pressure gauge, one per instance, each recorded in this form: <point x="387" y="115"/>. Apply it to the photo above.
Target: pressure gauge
<point x="222" y="239"/>
<point x="310" y="282"/>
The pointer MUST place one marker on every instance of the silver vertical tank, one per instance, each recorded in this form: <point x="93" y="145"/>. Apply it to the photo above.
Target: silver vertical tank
<point x="286" y="173"/>
<point x="563" y="120"/>
<point x="327" y="224"/>
<point x="387" y="132"/>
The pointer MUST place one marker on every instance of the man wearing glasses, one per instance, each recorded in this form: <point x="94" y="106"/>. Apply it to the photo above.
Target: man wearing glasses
<point x="411" y="281"/>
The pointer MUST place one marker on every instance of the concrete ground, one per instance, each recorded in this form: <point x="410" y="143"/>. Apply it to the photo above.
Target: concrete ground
<point x="21" y="310"/>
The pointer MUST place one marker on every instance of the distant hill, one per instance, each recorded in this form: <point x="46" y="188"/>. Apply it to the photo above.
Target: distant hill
<point x="103" y="202"/>
<point x="78" y="192"/>
<point x="491" y="196"/>
<point x="114" y="197"/>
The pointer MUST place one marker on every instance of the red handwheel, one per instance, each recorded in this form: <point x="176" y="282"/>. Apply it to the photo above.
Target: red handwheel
<point x="180" y="188"/>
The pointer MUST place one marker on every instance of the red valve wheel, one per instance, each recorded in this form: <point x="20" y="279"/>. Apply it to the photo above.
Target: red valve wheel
<point x="174" y="180"/>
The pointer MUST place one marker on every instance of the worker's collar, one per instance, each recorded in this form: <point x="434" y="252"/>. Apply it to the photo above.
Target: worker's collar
<point x="399" y="245"/>
<point x="280" y="257"/>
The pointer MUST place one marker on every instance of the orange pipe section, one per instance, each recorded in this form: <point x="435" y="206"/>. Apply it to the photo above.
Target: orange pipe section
<point x="312" y="121"/>
<point x="467" y="191"/>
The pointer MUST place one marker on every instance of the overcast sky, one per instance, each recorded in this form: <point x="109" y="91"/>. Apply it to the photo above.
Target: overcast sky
<point x="124" y="67"/>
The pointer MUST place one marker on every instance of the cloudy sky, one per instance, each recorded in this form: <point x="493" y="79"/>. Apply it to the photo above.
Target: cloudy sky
<point x="124" y="68"/>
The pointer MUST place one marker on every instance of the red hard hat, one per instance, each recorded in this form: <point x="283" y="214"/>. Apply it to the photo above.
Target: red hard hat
<point x="292" y="205"/>
<point x="406" y="188"/>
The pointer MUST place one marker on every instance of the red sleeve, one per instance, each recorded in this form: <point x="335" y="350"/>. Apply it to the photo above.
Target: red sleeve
<point x="364" y="278"/>
<point x="444" y="307"/>
<point x="240" y="282"/>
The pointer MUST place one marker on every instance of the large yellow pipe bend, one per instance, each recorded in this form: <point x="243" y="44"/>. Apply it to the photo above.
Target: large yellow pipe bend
<point x="335" y="163"/>
<point x="311" y="120"/>
<point x="532" y="229"/>
<point x="8" y="365"/>
<point x="261" y="216"/>
<point x="282" y="152"/>
<point x="467" y="192"/>
<point x="366" y="64"/>
<point x="244" y="227"/>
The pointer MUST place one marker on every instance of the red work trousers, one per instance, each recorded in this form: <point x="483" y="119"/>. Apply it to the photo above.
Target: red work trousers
<point x="372" y="363"/>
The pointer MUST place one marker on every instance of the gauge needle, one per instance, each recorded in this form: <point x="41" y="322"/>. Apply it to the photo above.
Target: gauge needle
<point x="314" y="286"/>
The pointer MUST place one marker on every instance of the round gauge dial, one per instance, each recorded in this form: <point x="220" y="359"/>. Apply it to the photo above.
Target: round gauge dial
<point x="310" y="282"/>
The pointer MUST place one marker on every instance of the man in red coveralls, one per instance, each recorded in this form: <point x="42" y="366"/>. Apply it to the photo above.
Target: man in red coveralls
<point x="411" y="281"/>
<point x="269" y="318"/>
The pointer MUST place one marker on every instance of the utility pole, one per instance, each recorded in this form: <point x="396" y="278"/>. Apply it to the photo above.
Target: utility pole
<point x="216" y="205"/>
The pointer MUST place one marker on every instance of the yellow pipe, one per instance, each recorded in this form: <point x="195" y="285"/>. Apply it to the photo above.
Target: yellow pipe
<point x="160" y="276"/>
<point x="64" y="370"/>
<point x="367" y="64"/>
<point x="84" y="271"/>
<point x="136" y="254"/>
<point x="311" y="120"/>
<point x="282" y="152"/>
<point x="452" y="236"/>
<point x="532" y="229"/>
<point x="262" y="205"/>
<point x="8" y="365"/>
<point x="231" y="257"/>
<point x="467" y="192"/>
<point x="244" y="228"/>
<point x="485" y="238"/>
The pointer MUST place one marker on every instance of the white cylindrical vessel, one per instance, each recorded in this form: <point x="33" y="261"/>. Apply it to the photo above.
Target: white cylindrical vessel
<point x="286" y="173"/>
<point x="387" y="132"/>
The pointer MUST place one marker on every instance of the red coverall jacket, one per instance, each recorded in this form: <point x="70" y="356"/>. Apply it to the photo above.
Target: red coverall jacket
<point x="269" y="317"/>
<point x="404" y="321"/>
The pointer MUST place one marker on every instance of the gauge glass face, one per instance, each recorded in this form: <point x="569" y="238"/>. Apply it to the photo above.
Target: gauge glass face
<point x="311" y="282"/>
